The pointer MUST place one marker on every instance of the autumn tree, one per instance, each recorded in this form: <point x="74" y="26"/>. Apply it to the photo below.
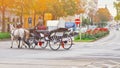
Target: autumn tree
<point x="56" y="8"/>
<point x="4" y="6"/>
<point x="117" y="6"/>
<point x="21" y="7"/>
<point x="66" y="7"/>
<point x="104" y="15"/>
<point x="37" y="7"/>
<point x="80" y="6"/>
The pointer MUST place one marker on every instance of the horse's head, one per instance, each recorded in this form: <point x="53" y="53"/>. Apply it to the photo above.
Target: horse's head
<point x="19" y="25"/>
<point x="12" y="27"/>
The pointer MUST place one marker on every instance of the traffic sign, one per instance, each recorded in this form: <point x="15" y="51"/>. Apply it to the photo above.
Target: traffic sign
<point x="29" y="20"/>
<point x="77" y="21"/>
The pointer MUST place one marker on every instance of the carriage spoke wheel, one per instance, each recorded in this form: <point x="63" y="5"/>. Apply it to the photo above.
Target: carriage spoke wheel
<point x="67" y="42"/>
<point x="54" y="43"/>
<point x="31" y="43"/>
<point x="43" y="43"/>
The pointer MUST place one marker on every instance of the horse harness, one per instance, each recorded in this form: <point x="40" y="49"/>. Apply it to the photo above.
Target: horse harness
<point x="17" y="36"/>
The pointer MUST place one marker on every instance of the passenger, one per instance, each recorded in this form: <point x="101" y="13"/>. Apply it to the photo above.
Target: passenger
<point x="40" y="26"/>
<point x="40" y="20"/>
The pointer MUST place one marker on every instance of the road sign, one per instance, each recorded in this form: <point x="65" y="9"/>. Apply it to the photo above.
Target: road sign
<point x="77" y="21"/>
<point x="30" y="20"/>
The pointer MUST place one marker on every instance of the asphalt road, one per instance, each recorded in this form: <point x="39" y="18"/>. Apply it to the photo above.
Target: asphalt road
<point x="104" y="53"/>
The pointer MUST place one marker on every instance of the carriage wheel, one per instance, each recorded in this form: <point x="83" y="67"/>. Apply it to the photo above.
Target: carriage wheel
<point x="54" y="43"/>
<point x="43" y="43"/>
<point x="31" y="43"/>
<point x="66" y="42"/>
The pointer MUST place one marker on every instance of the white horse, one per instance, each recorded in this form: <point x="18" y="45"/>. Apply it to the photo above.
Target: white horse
<point x="17" y="35"/>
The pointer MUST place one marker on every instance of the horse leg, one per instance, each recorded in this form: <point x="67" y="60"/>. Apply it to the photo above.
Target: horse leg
<point x="11" y="42"/>
<point x="18" y="43"/>
<point x="23" y="44"/>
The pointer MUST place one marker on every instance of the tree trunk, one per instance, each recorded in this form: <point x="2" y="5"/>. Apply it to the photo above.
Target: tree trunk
<point x="3" y="20"/>
<point x="20" y="19"/>
<point x="34" y="19"/>
<point x="21" y="16"/>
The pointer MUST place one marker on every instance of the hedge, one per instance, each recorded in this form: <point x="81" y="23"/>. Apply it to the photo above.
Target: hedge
<point x="5" y="35"/>
<point x="93" y="34"/>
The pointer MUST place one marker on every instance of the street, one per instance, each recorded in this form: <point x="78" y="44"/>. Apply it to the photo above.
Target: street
<point x="104" y="53"/>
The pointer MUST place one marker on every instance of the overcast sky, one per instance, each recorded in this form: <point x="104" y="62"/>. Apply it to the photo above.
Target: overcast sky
<point x="109" y="3"/>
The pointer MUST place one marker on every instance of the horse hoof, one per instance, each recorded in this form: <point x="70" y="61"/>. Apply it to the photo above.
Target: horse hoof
<point x="10" y="47"/>
<point x="21" y="47"/>
<point x="25" y="46"/>
<point x="18" y="46"/>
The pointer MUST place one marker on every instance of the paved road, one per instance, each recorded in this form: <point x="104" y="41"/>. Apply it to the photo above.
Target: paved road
<point x="104" y="53"/>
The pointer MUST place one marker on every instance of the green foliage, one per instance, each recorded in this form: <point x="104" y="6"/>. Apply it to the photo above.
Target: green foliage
<point x="117" y="17"/>
<point x="117" y="6"/>
<point x="102" y="24"/>
<point x="85" y="21"/>
<point x="4" y="35"/>
<point x="91" y="37"/>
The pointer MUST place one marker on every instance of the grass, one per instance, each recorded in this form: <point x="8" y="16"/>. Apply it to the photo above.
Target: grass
<point x="5" y="35"/>
<point x="88" y="39"/>
<point x="84" y="40"/>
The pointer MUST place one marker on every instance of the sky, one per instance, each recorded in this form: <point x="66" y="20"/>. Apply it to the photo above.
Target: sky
<point x="110" y="5"/>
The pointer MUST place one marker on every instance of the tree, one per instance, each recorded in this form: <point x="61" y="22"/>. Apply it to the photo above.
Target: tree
<point x="104" y="15"/>
<point x="117" y="6"/>
<point x="21" y="7"/>
<point x="80" y="6"/>
<point x="58" y="8"/>
<point x="4" y="5"/>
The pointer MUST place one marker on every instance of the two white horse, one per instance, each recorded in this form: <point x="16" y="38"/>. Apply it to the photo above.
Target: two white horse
<point x="18" y="35"/>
